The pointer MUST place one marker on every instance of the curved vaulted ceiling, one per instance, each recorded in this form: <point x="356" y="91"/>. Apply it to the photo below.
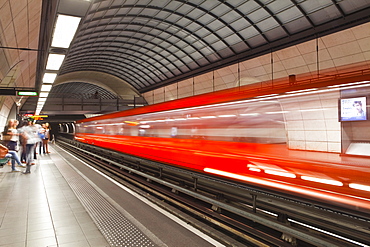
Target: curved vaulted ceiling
<point x="153" y="43"/>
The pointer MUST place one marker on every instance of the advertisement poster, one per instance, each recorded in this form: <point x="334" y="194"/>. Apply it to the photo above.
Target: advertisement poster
<point x="353" y="109"/>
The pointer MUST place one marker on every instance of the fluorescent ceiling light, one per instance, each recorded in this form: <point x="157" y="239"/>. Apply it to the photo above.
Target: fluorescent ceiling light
<point x="44" y="95"/>
<point x="54" y="61"/>
<point x="65" y="30"/>
<point x="42" y="100"/>
<point x="49" y="78"/>
<point x="45" y="88"/>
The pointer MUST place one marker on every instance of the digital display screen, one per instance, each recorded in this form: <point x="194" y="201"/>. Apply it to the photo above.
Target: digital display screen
<point x="353" y="109"/>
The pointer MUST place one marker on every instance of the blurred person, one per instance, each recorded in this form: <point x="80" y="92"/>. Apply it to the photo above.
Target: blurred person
<point x="13" y="156"/>
<point x="23" y="142"/>
<point x="30" y="133"/>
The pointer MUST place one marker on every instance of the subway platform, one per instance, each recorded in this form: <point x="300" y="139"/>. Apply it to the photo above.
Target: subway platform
<point x="64" y="202"/>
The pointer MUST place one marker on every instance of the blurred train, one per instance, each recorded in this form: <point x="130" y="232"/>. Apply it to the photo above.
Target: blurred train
<point x="244" y="137"/>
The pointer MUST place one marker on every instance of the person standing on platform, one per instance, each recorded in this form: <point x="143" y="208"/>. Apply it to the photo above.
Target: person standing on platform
<point x="40" y="144"/>
<point x="30" y="133"/>
<point x="46" y="139"/>
<point x="13" y="135"/>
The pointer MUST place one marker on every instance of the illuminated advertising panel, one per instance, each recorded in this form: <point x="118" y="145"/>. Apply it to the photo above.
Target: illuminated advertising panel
<point x="353" y="109"/>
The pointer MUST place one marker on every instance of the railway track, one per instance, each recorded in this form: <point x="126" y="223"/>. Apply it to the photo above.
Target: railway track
<point x="245" y="215"/>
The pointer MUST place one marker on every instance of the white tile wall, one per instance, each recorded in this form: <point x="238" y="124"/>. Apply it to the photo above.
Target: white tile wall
<point x="317" y="146"/>
<point x="364" y="43"/>
<point x="333" y="147"/>
<point x="315" y="124"/>
<point x="319" y="130"/>
<point x="312" y="115"/>
<point x="159" y="95"/>
<point x="316" y="136"/>
<point x="334" y="136"/>
<point x="294" y="125"/>
<point x="293" y="116"/>
<point x="332" y="124"/>
<point x="170" y="92"/>
<point x="367" y="57"/>
<point x="293" y="144"/>
<point x="308" y="47"/>
<point x="359" y="57"/>
<point x="296" y="135"/>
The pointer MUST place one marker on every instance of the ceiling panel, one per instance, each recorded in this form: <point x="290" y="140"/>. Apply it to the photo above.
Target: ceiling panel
<point x="164" y="41"/>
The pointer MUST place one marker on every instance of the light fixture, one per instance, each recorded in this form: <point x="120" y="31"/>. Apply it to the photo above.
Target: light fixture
<point x="49" y="78"/>
<point x="44" y="94"/>
<point x="65" y="29"/>
<point x="27" y="93"/>
<point x="54" y="61"/>
<point x="45" y="88"/>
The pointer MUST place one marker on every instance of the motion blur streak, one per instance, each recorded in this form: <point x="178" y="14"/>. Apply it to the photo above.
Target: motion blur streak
<point x="330" y="196"/>
<point x="360" y="187"/>
<point x="269" y="141"/>
<point x="283" y="174"/>
<point x="321" y="180"/>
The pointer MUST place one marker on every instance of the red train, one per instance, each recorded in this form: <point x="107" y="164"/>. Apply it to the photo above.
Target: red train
<point x="242" y="137"/>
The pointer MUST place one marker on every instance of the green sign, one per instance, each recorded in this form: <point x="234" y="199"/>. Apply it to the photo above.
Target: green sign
<point x="27" y="93"/>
